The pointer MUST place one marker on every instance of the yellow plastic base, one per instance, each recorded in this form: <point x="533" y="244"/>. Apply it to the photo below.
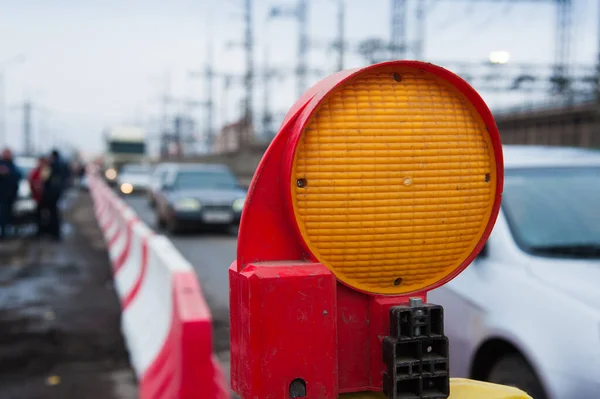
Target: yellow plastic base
<point x="460" y="388"/>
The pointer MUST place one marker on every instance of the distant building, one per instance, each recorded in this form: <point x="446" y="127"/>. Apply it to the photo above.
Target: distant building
<point x="233" y="136"/>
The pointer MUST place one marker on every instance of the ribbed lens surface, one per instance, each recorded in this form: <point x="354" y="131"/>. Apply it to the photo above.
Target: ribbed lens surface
<point x="393" y="181"/>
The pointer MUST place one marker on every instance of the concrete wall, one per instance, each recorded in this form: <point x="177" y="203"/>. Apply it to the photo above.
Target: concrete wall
<point x="576" y="125"/>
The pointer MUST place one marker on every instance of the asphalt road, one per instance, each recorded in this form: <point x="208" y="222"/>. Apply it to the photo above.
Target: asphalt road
<point x="210" y="253"/>
<point x="60" y="322"/>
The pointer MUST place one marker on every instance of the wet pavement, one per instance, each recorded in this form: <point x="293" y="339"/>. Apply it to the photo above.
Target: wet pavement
<point x="60" y="317"/>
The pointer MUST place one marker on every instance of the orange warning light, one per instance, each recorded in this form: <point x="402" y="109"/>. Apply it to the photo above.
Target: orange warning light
<point x="394" y="179"/>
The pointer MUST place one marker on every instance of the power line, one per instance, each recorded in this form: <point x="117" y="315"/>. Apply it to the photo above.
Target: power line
<point x="563" y="36"/>
<point x="563" y="27"/>
<point x="165" y="99"/>
<point x="300" y="13"/>
<point x="27" y="143"/>
<point x="492" y="18"/>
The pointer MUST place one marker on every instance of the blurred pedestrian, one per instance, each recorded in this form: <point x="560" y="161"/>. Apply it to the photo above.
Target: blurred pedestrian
<point x="53" y="189"/>
<point x="37" y="179"/>
<point x="10" y="176"/>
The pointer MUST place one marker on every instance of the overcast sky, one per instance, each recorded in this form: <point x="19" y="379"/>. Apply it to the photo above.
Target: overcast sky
<point x="92" y="64"/>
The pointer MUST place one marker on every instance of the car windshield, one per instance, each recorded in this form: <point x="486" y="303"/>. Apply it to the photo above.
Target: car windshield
<point x="160" y="172"/>
<point x="136" y="170"/>
<point x="197" y="179"/>
<point x="554" y="211"/>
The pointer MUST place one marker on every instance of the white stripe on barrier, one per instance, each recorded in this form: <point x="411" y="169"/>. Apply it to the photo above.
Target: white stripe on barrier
<point x="129" y="273"/>
<point x="101" y="209"/>
<point x="119" y="245"/>
<point x="171" y="257"/>
<point x="151" y="308"/>
<point x="107" y="218"/>
<point x="111" y="231"/>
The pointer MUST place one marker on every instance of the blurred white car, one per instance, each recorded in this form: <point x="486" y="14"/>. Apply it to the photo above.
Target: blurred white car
<point x="527" y="311"/>
<point x="25" y="206"/>
<point x="134" y="178"/>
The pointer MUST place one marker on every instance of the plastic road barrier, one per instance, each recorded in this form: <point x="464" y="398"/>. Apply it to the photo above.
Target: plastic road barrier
<point x="165" y="319"/>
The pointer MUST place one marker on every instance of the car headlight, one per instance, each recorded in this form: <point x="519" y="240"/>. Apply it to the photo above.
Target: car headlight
<point x="126" y="188"/>
<point x="238" y="204"/>
<point x="187" y="204"/>
<point x="110" y="174"/>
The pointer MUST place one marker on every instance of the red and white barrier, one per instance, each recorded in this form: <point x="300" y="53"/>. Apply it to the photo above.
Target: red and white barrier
<point x="165" y="319"/>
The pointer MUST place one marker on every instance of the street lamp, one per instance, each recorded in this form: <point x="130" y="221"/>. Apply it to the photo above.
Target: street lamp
<point x="499" y="57"/>
<point x="19" y="59"/>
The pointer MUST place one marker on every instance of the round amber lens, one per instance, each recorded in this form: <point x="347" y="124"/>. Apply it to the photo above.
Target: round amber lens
<point x="393" y="180"/>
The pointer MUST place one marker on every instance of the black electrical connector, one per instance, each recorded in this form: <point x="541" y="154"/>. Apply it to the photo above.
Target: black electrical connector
<point x="416" y="353"/>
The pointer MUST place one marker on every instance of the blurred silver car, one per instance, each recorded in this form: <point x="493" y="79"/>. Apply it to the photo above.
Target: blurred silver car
<point x="526" y="313"/>
<point x="198" y="195"/>
<point x="134" y="178"/>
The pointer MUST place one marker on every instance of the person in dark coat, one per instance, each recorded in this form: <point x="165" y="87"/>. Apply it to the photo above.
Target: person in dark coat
<point x="54" y="187"/>
<point x="10" y="177"/>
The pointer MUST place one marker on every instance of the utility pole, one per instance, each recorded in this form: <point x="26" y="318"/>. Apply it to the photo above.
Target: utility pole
<point x="563" y="28"/>
<point x="249" y="79"/>
<point x="164" y="124"/>
<point x="27" y="145"/>
<point x="341" y="35"/>
<point x="178" y="123"/>
<point x="420" y="28"/>
<point x="225" y="99"/>
<point x="209" y="76"/>
<point x="562" y="42"/>
<point x="266" y="117"/>
<point x="398" y="29"/>
<point x="302" y="14"/>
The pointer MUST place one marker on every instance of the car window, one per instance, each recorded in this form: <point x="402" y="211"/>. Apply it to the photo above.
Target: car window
<point x="554" y="211"/>
<point x="136" y="170"/>
<point x="159" y="176"/>
<point x="162" y="175"/>
<point x="200" y="179"/>
<point x="169" y="178"/>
